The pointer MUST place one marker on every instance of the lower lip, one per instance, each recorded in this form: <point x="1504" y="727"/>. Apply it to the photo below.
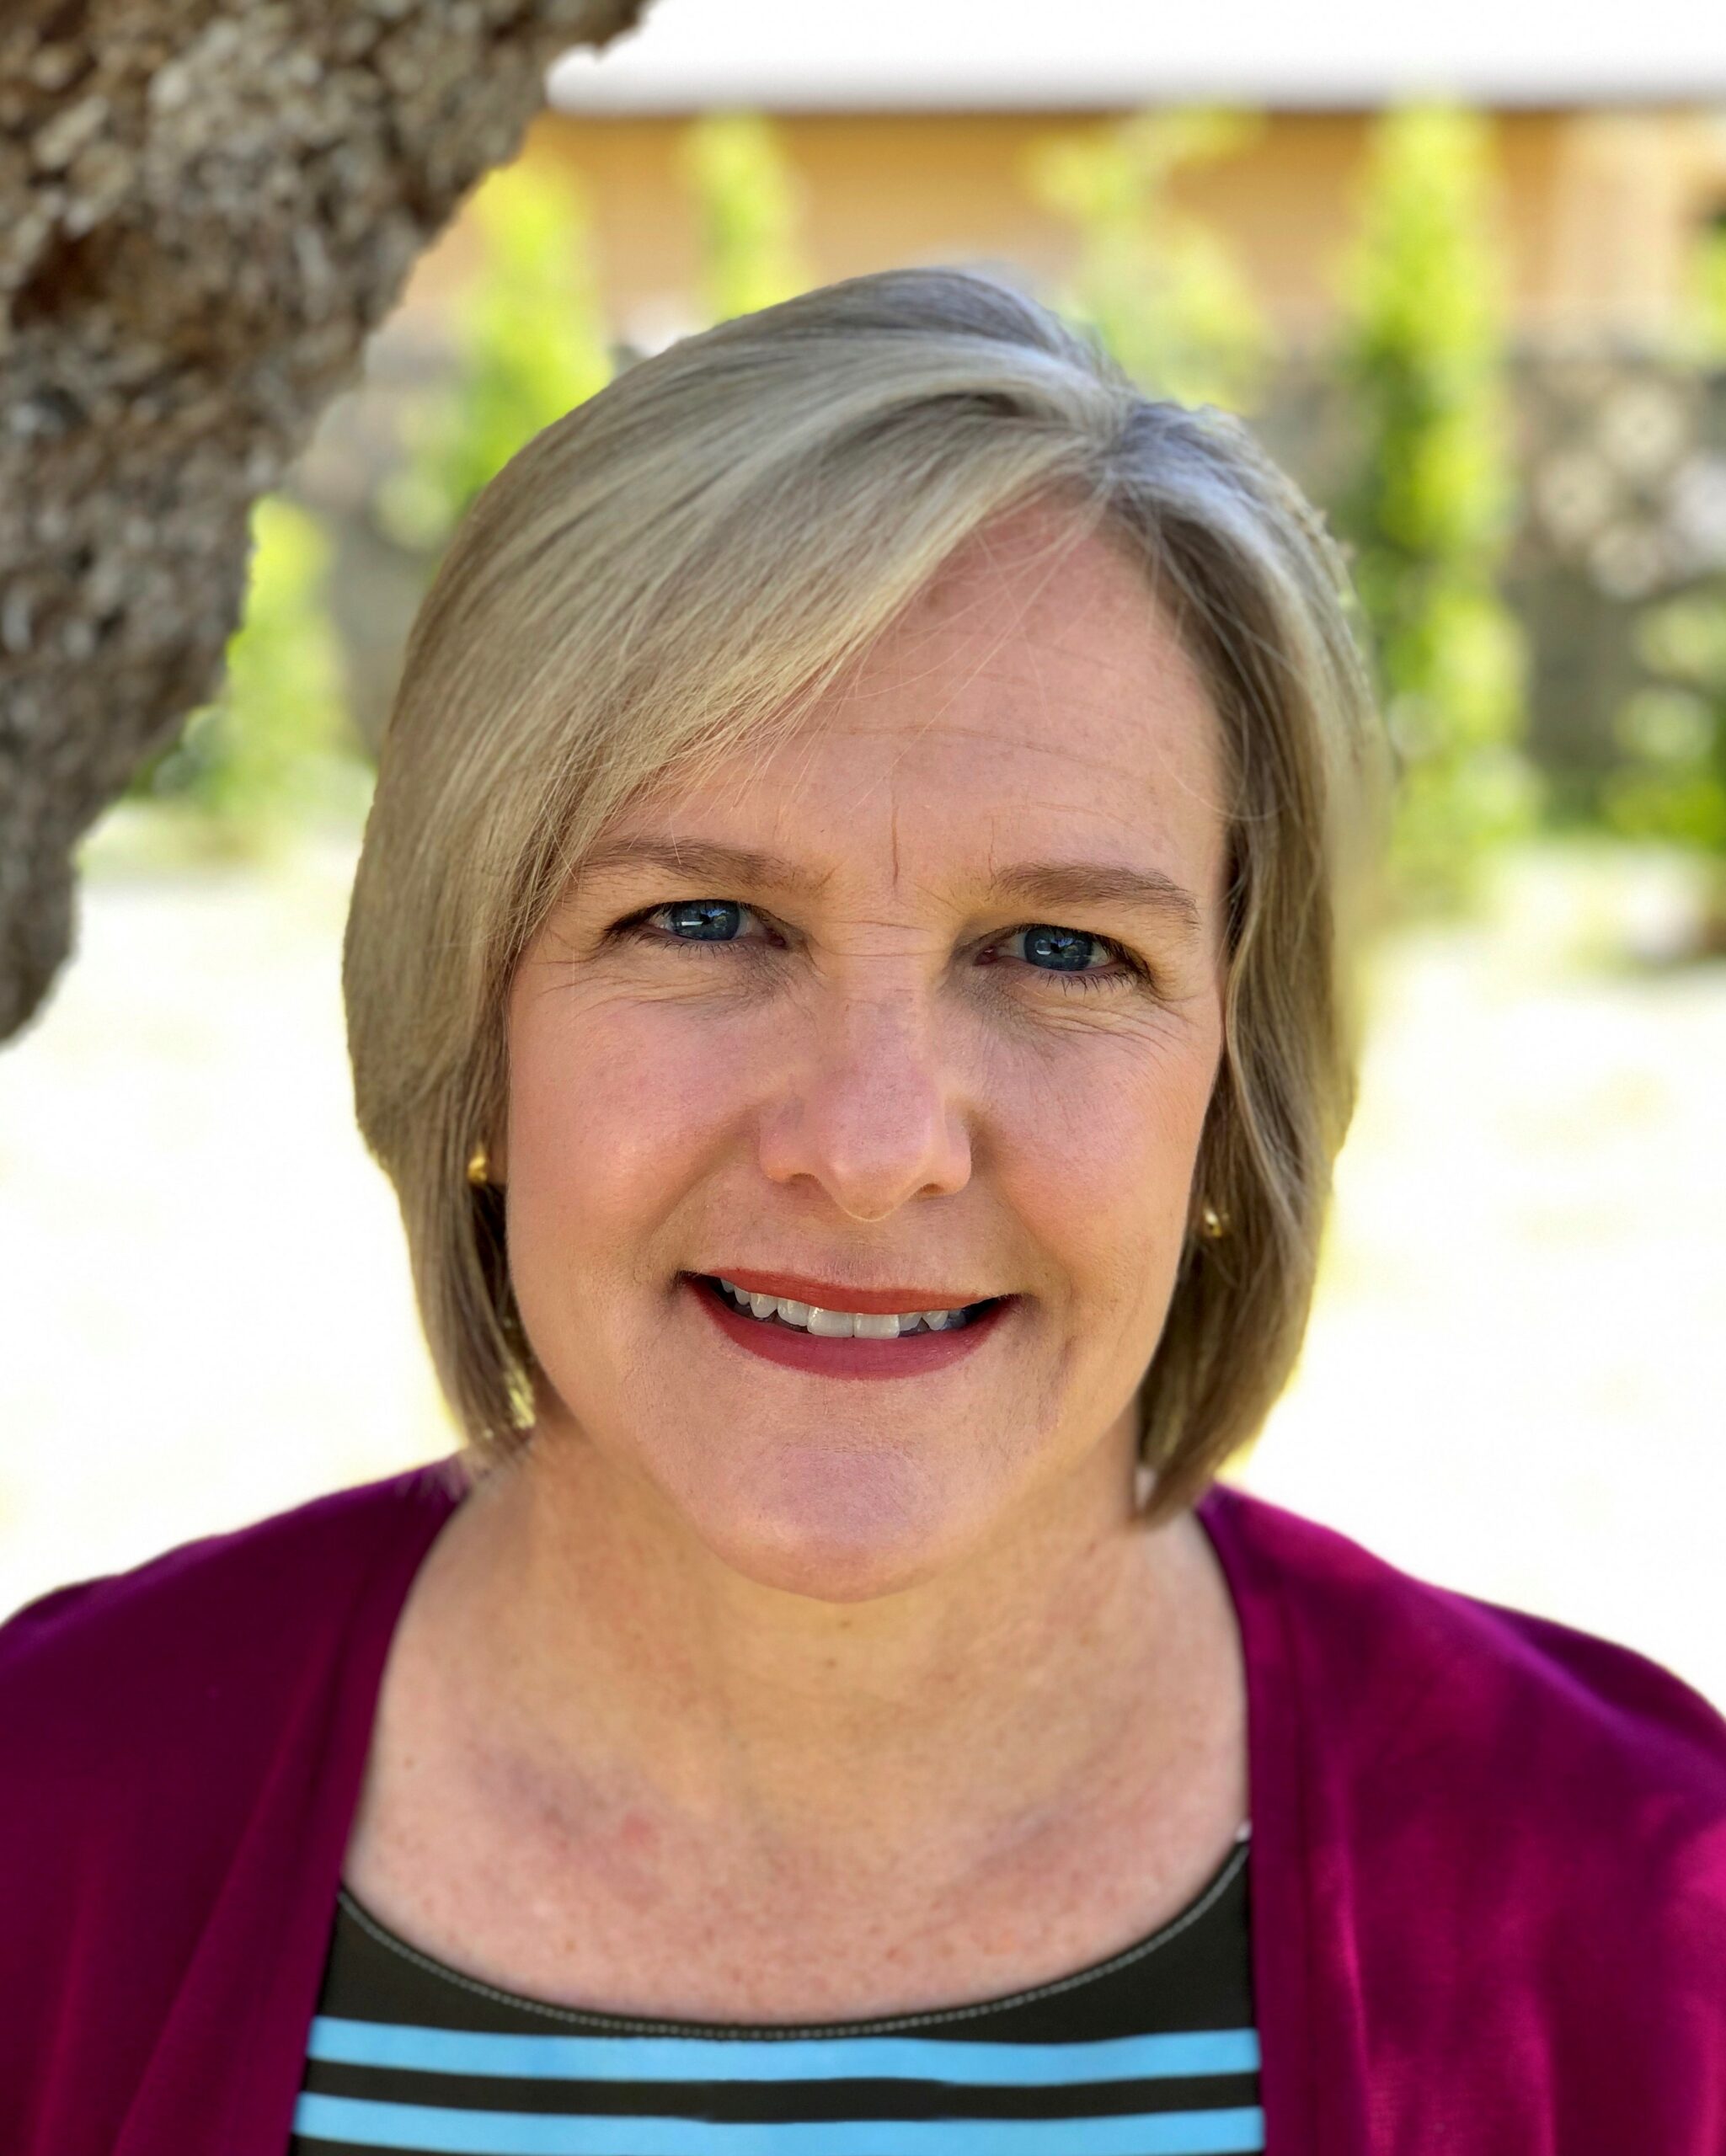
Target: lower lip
<point x="914" y="1356"/>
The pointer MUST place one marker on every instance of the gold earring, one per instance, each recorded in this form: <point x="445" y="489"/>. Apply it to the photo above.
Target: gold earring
<point x="1214" y="1223"/>
<point x="478" y="1167"/>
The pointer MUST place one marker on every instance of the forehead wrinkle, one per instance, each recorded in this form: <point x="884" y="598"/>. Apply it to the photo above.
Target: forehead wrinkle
<point x="893" y="824"/>
<point x="1049" y="746"/>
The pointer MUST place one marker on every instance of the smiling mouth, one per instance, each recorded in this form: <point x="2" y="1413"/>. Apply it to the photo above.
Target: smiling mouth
<point x="810" y="1320"/>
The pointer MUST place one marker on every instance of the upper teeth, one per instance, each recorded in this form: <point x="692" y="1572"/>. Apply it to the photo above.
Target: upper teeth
<point x="841" y="1325"/>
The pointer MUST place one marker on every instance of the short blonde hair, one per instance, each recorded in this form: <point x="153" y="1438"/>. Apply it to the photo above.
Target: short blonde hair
<point x="679" y="567"/>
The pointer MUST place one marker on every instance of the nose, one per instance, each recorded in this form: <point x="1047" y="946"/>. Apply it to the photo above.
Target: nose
<point x="869" y="1110"/>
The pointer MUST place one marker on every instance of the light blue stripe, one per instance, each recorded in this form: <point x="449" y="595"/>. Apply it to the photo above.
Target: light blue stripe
<point x="441" y="2132"/>
<point x="414" y="2049"/>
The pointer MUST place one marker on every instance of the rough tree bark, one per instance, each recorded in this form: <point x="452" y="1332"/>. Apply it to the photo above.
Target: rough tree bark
<point x="204" y="208"/>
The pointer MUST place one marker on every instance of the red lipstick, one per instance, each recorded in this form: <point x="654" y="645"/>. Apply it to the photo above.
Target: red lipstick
<point x="914" y="1354"/>
<point x="835" y="1295"/>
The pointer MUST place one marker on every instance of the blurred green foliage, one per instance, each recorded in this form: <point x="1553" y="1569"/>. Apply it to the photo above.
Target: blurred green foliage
<point x="749" y="208"/>
<point x="275" y="746"/>
<point x="1671" y="782"/>
<point x="1430" y="512"/>
<point x="1708" y="292"/>
<point x="1671" y="785"/>
<point x="530" y="343"/>
<point x="1159" y="287"/>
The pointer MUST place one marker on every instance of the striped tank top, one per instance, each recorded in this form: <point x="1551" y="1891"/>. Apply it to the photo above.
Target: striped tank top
<point x="1150" y="2052"/>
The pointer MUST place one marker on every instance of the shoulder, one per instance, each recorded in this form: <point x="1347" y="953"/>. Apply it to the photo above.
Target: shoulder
<point x="108" y="1672"/>
<point x="1505" y="1837"/>
<point x="1545" y="1737"/>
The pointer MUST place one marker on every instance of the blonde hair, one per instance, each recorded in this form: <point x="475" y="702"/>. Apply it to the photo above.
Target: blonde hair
<point x="681" y="565"/>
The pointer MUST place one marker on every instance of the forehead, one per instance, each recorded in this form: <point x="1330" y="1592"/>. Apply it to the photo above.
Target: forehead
<point x="1033" y="699"/>
<point x="1032" y="638"/>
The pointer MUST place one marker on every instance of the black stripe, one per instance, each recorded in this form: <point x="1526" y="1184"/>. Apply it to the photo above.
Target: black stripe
<point x="775" y="2102"/>
<point x="1197" y="1978"/>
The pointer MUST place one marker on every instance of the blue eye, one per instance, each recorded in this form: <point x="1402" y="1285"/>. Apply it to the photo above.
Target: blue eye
<point x="703" y="921"/>
<point x="1060" y="950"/>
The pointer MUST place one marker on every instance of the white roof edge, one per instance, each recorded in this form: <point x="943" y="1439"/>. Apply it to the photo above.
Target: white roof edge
<point x="670" y="96"/>
<point x="972" y="56"/>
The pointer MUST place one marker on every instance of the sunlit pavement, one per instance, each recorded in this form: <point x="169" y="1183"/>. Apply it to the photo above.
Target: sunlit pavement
<point x="1512" y="1383"/>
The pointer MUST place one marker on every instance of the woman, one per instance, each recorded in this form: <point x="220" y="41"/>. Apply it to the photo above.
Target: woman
<point x="851" y="975"/>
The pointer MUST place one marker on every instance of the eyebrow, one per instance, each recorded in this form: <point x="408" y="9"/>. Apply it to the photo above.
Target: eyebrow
<point x="1036" y="882"/>
<point x="701" y="861"/>
<point x="1096" y="883"/>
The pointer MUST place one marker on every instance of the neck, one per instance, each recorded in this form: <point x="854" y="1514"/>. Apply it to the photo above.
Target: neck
<point x="620" y="1670"/>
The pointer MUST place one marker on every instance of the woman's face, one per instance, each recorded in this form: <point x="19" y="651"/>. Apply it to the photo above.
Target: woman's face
<point x="920" y="1021"/>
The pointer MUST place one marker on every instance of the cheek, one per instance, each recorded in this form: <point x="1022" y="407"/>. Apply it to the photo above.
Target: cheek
<point x="614" y="1110"/>
<point x="1098" y="1156"/>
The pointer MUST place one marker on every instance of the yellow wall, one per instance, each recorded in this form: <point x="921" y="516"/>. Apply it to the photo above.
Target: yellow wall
<point x="1598" y="209"/>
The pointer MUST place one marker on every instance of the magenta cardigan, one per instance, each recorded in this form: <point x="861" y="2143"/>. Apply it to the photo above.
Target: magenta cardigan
<point x="1489" y="1864"/>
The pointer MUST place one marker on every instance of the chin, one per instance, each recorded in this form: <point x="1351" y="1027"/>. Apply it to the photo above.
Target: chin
<point x="856" y="1534"/>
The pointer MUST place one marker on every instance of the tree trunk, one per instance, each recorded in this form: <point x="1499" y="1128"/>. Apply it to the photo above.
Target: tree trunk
<point x="203" y="211"/>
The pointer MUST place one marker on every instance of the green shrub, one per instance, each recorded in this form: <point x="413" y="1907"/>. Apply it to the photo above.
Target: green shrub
<point x="276" y="744"/>
<point x="1671" y="782"/>
<point x="1159" y="288"/>
<point x="1431" y="508"/>
<point x="749" y="209"/>
<point x="1671" y="785"/>
<point x="529" y="343"/>
<point x="1708" y="293"/>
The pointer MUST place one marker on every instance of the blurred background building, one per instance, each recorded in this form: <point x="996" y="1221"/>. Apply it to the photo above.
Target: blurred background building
<point x="906" y="154"/>
<point x="1530" y="283"/>
<point x="1473" y="296"/>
